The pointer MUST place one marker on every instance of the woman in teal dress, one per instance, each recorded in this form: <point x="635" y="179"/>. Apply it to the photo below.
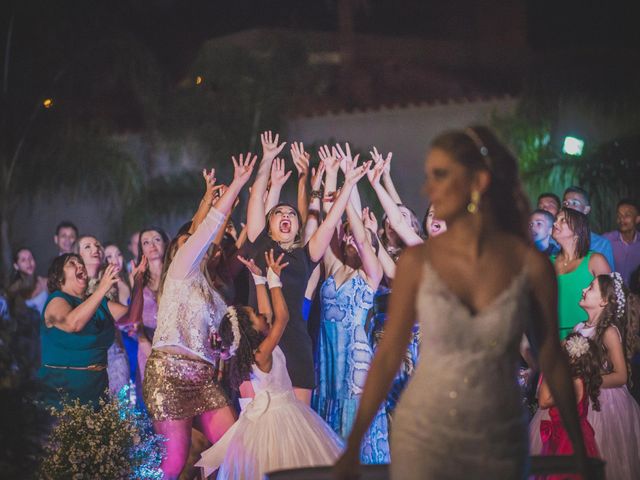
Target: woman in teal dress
<point x="344" y="352"/>
<point x="76" y="332"/>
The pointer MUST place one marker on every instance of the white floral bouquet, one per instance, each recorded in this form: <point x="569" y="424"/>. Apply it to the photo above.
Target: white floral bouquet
<point x="113" y="442"/>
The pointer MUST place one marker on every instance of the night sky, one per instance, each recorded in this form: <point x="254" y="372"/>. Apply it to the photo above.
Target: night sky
<point x="174" y="29"/>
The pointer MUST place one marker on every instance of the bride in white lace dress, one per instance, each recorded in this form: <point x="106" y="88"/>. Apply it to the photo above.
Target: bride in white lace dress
<point x="473" y="289"/>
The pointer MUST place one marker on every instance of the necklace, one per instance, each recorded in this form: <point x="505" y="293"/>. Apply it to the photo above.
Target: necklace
<point x="566" y="261"/>
<point x="287" y="249"/>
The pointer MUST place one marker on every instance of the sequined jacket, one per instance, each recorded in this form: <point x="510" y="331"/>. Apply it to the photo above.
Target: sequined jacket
<point x="190" y="310"/>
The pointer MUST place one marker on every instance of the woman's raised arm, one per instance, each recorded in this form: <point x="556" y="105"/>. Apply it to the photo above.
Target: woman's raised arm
<point x="406" y="233"/>
<point x="61" y="315"/>
<point x="370" y="263"/>
<point x="321" y="238"/>
<point x="255" y="210"/>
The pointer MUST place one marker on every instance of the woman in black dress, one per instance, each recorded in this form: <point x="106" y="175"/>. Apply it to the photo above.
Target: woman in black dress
<point x="281" y="230"/>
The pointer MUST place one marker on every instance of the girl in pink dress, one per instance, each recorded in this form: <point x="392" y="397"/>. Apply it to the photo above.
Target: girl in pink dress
<point x="585" y="362"/>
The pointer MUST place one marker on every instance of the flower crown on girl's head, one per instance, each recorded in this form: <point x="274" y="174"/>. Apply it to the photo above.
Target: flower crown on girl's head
<point x="577" y="346"/>
<point x="620" y="300"/>
<point x="235" y="329"/>
<point x="216" y="340"/>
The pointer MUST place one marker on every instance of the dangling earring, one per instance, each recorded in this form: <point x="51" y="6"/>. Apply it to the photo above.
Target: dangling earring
<point x="472" y="207"/>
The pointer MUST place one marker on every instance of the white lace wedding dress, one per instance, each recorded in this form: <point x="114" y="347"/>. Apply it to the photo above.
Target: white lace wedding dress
<point x="461" y="415"/>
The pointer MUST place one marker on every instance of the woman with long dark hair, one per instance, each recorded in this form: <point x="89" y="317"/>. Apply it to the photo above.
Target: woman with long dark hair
<point x="152" y="243"/>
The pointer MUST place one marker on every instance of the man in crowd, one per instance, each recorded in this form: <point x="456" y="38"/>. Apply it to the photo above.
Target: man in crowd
<point x="541" y="226"/>
<point x="549" y="202"/>
<point x="66" y="235"/>
<point x="577" y="198"/>
<point x="625" y="240"/>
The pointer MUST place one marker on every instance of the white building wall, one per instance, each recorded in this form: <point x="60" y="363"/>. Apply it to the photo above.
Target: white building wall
<point x="406" y="131"/>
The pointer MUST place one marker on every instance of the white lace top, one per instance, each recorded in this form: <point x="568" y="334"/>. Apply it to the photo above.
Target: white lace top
<point x="190" y="310"/>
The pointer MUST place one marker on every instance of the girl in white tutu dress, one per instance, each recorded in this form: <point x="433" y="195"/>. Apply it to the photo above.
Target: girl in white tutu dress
<point x="613" y="317"/>
<point x="275" y="431"/>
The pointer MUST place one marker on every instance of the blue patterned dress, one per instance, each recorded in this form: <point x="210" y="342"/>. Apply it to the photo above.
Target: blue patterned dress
<point x="344" y="357"/>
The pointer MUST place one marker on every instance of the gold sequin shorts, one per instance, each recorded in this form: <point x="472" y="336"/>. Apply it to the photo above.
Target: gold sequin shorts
<point x="178" y="386"/>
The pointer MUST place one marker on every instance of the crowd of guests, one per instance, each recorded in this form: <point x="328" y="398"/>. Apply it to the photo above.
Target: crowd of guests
<point x="280" y="319"/>
<point x="598" y="319"/>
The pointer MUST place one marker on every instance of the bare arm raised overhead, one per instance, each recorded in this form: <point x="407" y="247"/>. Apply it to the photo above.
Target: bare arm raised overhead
<point x="256" y="211"/>
<point x="279" y="177"/>
<point x="370" y="263"/>
<point x="301" y="161"/>
<point x="319" y="242"/>
<point x="190" y="254"/>
<point x="406" y="233"/>
<point x="280" y="310"/>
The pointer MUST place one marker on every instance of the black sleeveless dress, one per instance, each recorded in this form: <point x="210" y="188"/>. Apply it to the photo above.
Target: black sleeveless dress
<point x="296" y="342"/>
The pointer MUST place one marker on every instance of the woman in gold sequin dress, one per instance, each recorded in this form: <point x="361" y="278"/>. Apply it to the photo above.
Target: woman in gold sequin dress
<point x="179" y="383"/>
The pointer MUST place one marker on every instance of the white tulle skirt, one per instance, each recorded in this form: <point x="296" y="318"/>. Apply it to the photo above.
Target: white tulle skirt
<point x="274" y="432"/>
<point x="617" y="429"/>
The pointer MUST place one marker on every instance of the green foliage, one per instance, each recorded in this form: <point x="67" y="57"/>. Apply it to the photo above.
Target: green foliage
<point x="608" y="172"/>
<point x="114" y="442"/>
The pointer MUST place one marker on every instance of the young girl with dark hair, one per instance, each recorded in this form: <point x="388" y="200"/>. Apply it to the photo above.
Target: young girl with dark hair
<point x="613" y="315"/>
<point x="584" y="363"/>
<point x="276" y="430"/>
<point x="613" y="324"/>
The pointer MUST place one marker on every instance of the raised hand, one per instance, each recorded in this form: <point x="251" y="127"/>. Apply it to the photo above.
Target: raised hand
<point x="345" y="159"/>
<point x="209" y="180"/>
<point x="219" y="190"/>
<point x="300" y="158"/>
<point x="376" y="172"/>
<point x="251" y="265"/>
<point x="330" y="159"/>
<point x="109" y="279"/>
<point x="377" y="158"/>
<point x="369" y="220"/>
<point x="278" y="175"/>
<point x="316" y="176"/>
<point x="243" y="167"/>
<point x="139" y="269"/>
<point x="270" y="147"/>
<point x="353" y="174"/>
<point x="275" y="264"/>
